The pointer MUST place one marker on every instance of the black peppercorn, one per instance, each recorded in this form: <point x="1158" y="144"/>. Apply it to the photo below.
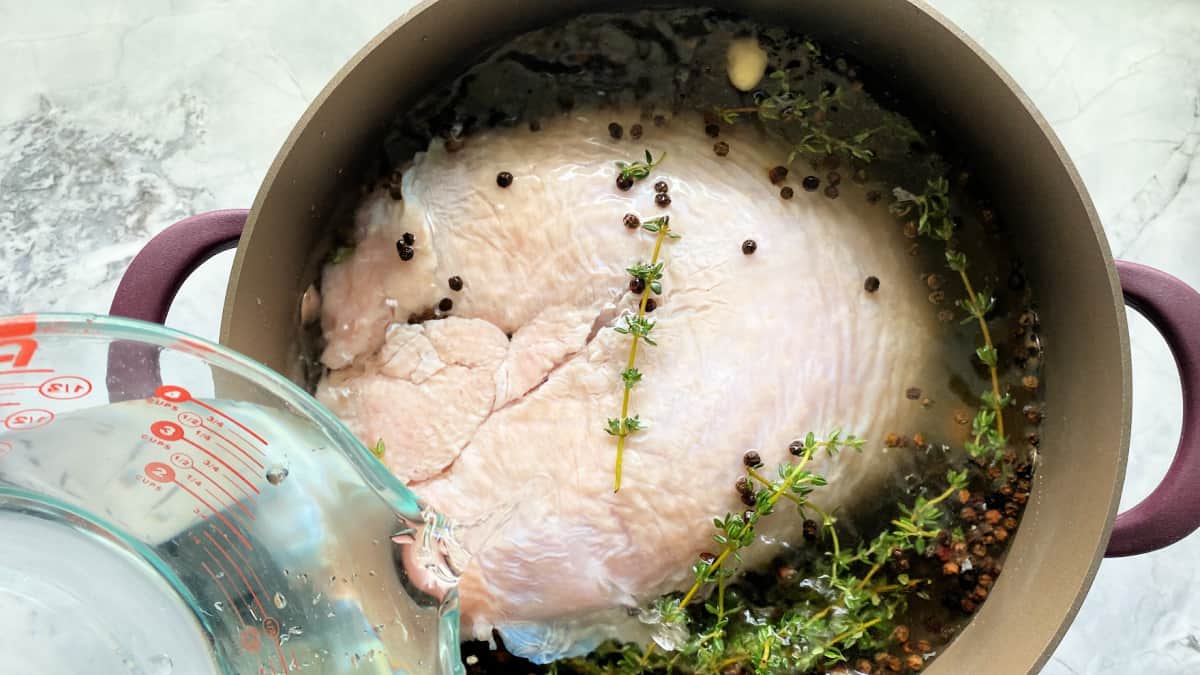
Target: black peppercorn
<point x="871" y="284"/>
<point x="624" y="182"/>
<point x="637" y="285"/>
<point x="455" y="283"/>
<point x="752" y="459"/>
<point x="615" y="131"/>
<point x="395" y="193"/>
<point x="834" y="178"/>
<point x="777" y="174"/>
<point x="873" y="196"/>
<point x="708" y="558"/>
<point x="787" y="192"/>
<point x="810" y="183"/>
<point x="831" y="191"/>
<point x="721" y="148"/>
<point x="662" y="199"/>
<point x="661" y="186"/>
<point x="651" y="305"/>
<point x="406" y="252"/>
<point x="796" y="448"/>
<point x="635" y="131"/>
<point x="504" y="179"/>
<point x="743" y="486"/>
<point x="1016" y="280"/>
<point x="632" y="221"/>
<point x="712" y="130"/>
<point x="445" y="305"/>
<point x="408" y="238"/>
<point x="810" y="530"/>
<point x="749" y="246"/>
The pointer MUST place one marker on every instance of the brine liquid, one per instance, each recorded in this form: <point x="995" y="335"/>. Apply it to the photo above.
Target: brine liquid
<point x="72" y="601"/>
<point x="122" y="553"/>
<point x="671" y="61"/>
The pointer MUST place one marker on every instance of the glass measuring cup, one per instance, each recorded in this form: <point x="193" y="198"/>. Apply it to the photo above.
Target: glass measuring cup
<point x="170" y="507"/>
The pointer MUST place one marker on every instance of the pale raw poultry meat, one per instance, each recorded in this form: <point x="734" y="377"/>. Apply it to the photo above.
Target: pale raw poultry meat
<point x="753" y="352"/>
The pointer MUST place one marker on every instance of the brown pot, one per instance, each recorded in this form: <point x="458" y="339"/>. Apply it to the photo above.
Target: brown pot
<point x="1066" y="528"/>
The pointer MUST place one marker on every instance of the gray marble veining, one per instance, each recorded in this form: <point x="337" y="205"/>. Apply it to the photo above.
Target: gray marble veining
<point x="119" y="116"/>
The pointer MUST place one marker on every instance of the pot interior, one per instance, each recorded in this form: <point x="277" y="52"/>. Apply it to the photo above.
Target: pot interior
<point x="1024" y="170"/>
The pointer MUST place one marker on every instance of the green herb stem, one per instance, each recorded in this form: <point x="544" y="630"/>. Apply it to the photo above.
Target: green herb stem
<point x="663" y="229"/>
<point x="777" y="489"/>
<point x="997" y="402"/>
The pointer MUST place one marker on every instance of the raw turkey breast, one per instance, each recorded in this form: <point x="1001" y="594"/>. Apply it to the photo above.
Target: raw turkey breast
<point x="501" y="402"/>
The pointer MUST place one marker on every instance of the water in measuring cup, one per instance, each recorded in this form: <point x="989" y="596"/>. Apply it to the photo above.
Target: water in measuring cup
<point x="181" y="536"/>
<point x="73" y="601"/>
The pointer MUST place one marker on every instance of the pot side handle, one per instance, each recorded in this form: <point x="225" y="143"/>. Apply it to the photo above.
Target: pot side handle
<point x="1172" y="511"/>
<point x="158" y="271"/>
<point x="149" y="285"/>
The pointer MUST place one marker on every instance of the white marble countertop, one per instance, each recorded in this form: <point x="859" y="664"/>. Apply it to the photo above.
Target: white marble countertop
<point x="118" y="117"/>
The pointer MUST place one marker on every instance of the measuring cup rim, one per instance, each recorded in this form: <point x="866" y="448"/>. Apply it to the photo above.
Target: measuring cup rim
<point x="92" y="325"/>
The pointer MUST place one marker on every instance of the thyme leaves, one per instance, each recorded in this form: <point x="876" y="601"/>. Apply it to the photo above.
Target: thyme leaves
<point x="931" y="209"/>
<point x="638" y="170"/>
<point x="638" y="327"/>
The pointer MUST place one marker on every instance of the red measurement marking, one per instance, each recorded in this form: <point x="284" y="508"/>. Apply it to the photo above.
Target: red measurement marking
<point x="239" y="448"/>
<point x="234" y="565"/>
<point x="31" y="418"/>
<point x="12" y="387"/>
<point x="167" y="431"/>
<point x="7" y="404"/>
<point x="65" y="388"/>
<point x="160" y="472"/>
<point x="228" y="599"/>
<point x="222" y="462"/>
<point x="241" y="488"/>
<point x="169" y="392"/>
<point x="278" y="645"/>
<point x="15" y="335"/>
<point x="237" y="518"/>
<point x="232" y="528"/>
<point x="245" y="561"/>
<point x="217" y="563"/>
<point x="236" y="435"/>
<point x="243" y="427"/>
<point x="185" y="461"/>
<point x="22" y="371"/>
<point x="206" y="437"/>
<point x="249" y="639"/>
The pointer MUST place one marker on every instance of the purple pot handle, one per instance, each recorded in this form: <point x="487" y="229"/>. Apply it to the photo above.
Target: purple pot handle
<point x="150" y="284"/>
<point x="1172" y="511"/>
<point x="159" y="270"/>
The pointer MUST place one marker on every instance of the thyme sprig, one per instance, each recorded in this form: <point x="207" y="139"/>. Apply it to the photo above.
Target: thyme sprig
<point x="640" y="328"/>
<point x="778" y="101"/>
<point x="855" y="611"/>
<point x="635" y="171"/>
<point x="932" y="211"/>
<point x="737" y="531"/>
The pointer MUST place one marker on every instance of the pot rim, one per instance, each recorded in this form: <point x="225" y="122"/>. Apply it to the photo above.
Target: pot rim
<point x="1065" y="615"/>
